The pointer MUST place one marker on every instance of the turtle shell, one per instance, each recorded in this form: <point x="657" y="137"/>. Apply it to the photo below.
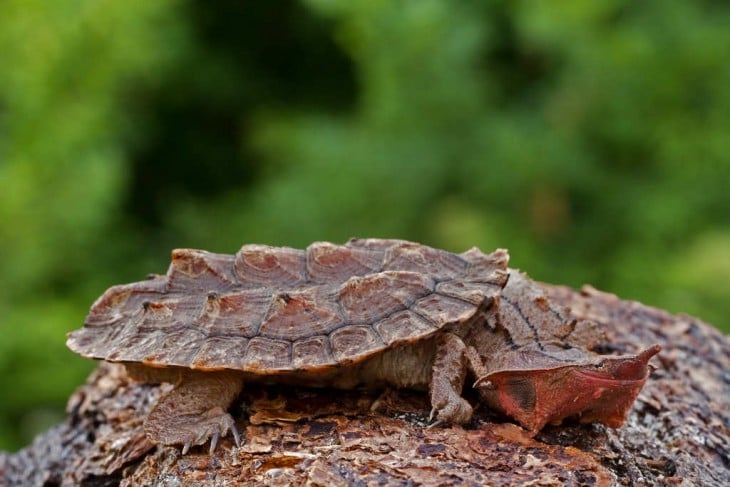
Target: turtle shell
<point x="268" y="310"/>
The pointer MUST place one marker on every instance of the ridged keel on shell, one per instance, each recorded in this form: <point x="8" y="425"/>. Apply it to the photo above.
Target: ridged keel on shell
<point x="276" y="309"/>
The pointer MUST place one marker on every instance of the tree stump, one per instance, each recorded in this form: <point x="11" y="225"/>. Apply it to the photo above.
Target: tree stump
<point x="678" y="432"/>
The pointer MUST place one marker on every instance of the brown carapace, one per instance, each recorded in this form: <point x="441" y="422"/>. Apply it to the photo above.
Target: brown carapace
<point x="370" y="313"/>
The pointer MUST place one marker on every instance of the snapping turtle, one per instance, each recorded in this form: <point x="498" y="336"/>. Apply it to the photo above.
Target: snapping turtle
<point x="370" y="312"/>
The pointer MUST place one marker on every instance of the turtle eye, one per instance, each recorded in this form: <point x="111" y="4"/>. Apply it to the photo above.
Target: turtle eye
<point x="600" y="364"/>
<point x="522" y="392"/>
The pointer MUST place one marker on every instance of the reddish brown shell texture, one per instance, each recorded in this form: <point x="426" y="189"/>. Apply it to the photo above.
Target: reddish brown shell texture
<point x="270" y="310"/>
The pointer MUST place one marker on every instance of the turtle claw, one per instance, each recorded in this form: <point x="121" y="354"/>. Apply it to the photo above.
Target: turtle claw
<point x="431" y="417"/>
<point x="438" y="422"/>
<point x="214" y="442"/>
<point x="457" y="412"/>
<point x="236" y="436"/>
<point x="214" y="427"/>
<point x="215" y="437"/>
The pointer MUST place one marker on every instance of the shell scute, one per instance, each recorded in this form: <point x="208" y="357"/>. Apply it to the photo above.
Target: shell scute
<point x="312" y="353"/>
<point x="263" y="265"/>
<point x="170" y="313"/>
<point x="365" y="299"/>
<point x="234" y="313"/>
<point x="219" y="350"/>
<point x="375" y="244"/>
<point x="354" y="342"/>
<point x="443" y="310"/>
<point x="264" y="355"/>
<point x="95" y="342"/>
<point x="439" y="264"/>
<point x="178" y="348"/>
<point x="402" y="327"/>
<point x="300" y="314"/>
<point x="123" y="301"/>
<point x="138" y="346"/>
<point x="327" y="262"/>
<point x="199" y="270"/>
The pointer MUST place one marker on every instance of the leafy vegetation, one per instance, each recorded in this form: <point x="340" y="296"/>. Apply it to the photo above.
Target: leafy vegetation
<point x="589" y="138"/>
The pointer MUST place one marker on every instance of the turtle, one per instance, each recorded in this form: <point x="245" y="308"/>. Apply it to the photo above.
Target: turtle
<point x="368" y="313"/>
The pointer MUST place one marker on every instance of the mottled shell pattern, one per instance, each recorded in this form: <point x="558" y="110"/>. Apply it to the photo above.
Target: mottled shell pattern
<point x="269" y="310"/>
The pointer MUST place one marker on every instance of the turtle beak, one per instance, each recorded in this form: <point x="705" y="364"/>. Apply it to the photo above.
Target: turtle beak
<point x="602" y="392"/>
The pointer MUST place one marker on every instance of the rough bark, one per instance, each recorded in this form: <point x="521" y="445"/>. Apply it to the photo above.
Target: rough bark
<point x="678" y="432"/>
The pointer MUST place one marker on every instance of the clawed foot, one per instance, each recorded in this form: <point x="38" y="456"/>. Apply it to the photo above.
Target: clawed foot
<point x="456" y="411"/>
<point x="190" y="430"/>
<point x="213" y="425"/>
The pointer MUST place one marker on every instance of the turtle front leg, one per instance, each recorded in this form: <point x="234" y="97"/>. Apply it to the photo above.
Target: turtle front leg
<point x="447" y="380"/>
<point x="195" y="410"/>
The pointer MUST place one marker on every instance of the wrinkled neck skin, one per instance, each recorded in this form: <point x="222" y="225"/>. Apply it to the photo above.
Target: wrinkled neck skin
<point x="545" y="383"/>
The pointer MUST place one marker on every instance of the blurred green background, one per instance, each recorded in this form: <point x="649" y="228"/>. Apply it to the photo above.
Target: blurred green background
<point x="589" y="138"/>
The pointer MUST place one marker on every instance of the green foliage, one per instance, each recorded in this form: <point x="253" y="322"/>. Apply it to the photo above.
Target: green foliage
<point x="589" y="138"/>
<point x="63" y="175"/>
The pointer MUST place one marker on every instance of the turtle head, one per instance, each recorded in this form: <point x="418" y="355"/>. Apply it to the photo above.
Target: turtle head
<point x="600" y="391"/>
